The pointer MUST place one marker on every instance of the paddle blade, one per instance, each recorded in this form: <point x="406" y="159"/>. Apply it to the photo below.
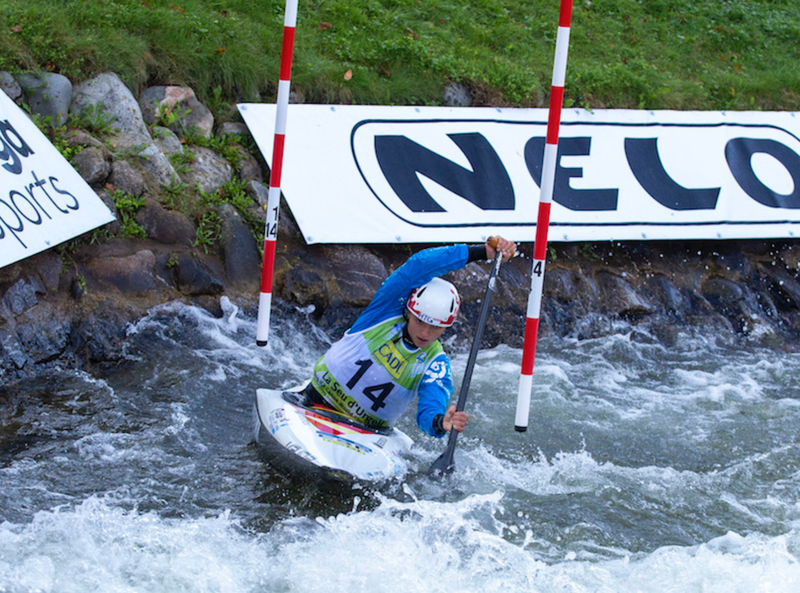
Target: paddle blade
<point x="443" y="466"/>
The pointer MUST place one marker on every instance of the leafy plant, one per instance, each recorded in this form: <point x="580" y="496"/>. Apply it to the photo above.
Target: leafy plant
<point x="174" y="193"/>
<point x="127" y="206"/>
<point x="586" y="251"/>
<point x="134" y="151"/>
<point x="167" y="116"/>
<point x="172" y="261"/>
<point x="208" y="230"/>
<point x="222" y="109"/>
<point x="228" y="146"/>
<point x="181" y="161"/>
<point x="234" y="193"/>
<point x="95" y="120"/>
<point x="58" y="135"/>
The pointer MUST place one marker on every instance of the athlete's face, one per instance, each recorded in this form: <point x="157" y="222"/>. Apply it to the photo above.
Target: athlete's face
<point x="422" y="333"/>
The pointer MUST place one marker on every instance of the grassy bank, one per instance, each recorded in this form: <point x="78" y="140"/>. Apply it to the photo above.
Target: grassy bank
<point x="650" y="54"/>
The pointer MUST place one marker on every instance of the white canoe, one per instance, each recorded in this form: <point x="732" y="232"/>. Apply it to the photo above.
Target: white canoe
<point x="321" y="440"/>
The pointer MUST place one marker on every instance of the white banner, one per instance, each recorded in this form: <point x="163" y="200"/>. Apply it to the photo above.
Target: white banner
<point x="363" y="174"/>
<point x="43" y="200"/>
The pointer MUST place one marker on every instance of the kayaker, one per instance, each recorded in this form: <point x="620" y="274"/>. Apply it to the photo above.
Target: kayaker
<point x="392" y="352"/>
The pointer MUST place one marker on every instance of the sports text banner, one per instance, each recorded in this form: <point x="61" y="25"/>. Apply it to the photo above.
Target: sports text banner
<point x="361" y="174"/>
<point x="43" y="200"/>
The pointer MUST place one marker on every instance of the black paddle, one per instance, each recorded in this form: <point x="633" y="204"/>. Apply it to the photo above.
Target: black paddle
<point x="445" y="464"/>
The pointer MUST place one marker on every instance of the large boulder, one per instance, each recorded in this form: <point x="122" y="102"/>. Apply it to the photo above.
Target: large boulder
<point x="141" y="150"/>
<point x="209" y="171"/>
<point x="620" y="298"/>
<point x="47" y="94"/>
<point x="178" y="103"/>
<point x="167" y="141"/>
<point x="116" y="99"/>
<point x="166" y="226"/>
<point x="192" y="277"/>
<point x="124" y="177"/>
<point x="92" y="164"/>
<point x="238" y="249"/>
<point x="132" y="275"/>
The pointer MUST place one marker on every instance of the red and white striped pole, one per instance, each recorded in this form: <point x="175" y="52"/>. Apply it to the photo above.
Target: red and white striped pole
<point x="543" y="220"/>
<point x="274" y="200"/>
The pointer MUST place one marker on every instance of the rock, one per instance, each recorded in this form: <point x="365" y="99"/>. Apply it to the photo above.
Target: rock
<point x="662" y="288"/>
<point x="72" y="304"/>
<point x="116" y="99"/>
<point x="456" y="94"/>
<point x="124" y="177"/>
<point x="10" y="86"/>
<point x="80" y="138"/>
<point x="723" y="292"/>
<point x="304" y="287"/>
<point x="48" y="266"/>
<point x="147" y="155"/>
<point x="359" y="275"/>
<point x="250" y="169"/>
<point x="209" y="171"/>
<point x="114" y="226"/>
<point x="92" y="165"/>
<point x="781" y="284"/>
<point x="20" y="297"/>
<point x="167" y="141"/>
<point x="258" y="192"/>
<point x="101" y="335"/>
<point x="192" y="278"/>
<point x="166" y="226"/>
<point x="131" y="275"/>
<point x="238" y="248"/>
<point x="287" y="227"/>
<point x="13" y="354"/>
<point x="182" y="104"/>
<point x="619" y="297"/>
<point x="43" y="342"/>
<point x="47" y="94"/>
<point x="727" y="299"/>
<point x="234" y="129"/>
<point x="592" y="326"/>
<point x="470" y="281"/>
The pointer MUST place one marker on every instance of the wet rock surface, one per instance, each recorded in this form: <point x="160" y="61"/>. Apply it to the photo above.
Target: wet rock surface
<point x="72" y="305"/>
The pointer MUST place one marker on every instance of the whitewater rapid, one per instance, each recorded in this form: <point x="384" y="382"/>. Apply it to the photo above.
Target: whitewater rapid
<point x="648" y="466"/>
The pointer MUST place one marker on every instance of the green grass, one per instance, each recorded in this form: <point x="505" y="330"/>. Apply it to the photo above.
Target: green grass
<point x="650" y="54"/>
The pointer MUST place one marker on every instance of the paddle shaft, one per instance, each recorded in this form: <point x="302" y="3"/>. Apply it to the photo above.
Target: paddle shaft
<point x="444" y="464"/>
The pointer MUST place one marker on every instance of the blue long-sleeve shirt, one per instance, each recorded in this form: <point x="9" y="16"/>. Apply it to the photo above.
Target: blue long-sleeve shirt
<point x="436" y="386"/>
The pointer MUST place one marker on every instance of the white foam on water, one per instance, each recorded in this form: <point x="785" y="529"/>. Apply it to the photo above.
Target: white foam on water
<point x="409" y="546"/>
<point x="97" y="547"/>
<point x="228" y="346"/>
<point x="510" y="519"/>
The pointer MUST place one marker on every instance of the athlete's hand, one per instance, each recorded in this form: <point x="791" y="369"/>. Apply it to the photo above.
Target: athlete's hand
<point x="497" y="243"/>
<point x="455" y="420"/>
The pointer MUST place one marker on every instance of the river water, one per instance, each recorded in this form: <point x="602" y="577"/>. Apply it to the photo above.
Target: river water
<point x="648" y="466"/>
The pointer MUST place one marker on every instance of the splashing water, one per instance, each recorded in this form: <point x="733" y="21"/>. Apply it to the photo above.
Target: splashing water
<point x="646" y="467"/>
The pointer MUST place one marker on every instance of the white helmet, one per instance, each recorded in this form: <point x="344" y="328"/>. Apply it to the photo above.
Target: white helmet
<point x="435" y="303"/>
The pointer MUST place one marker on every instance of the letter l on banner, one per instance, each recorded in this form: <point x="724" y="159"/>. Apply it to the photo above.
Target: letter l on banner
<point x="543" y="220"/>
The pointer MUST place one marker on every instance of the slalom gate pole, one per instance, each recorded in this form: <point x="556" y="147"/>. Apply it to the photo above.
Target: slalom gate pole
<point x="274" y="199"/>
<point x="543" y="220"/>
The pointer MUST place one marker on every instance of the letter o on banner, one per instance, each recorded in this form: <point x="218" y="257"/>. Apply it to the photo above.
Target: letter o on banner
<point x="13" y="196"/>
<point x="739" y="154"/>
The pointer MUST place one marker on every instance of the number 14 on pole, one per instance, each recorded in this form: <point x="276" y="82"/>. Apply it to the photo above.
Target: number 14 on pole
<point x="274" y="199"/>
